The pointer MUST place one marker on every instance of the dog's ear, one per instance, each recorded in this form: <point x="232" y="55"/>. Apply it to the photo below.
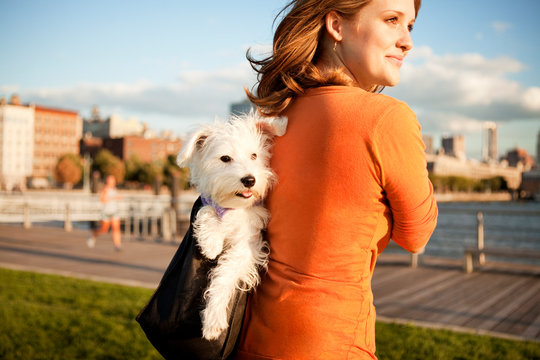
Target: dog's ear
<point x="272" y="126"/>
<point x="195" y="143"/>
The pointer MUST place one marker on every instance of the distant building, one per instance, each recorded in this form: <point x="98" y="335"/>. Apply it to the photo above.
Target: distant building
<point x="451" y="166"/>
<point x="243" y="107"/>
<point x="428" y="142"/>
<point x="454" y="146"/>
<point x="519" y="158"/>
<point x="90" y="145"/>
<point x="147" y="150"/>
<point x="56" y="132"/>
<point x="530" y="185"/>
<point x="112" y="127"/>
<point x="16" y="143"/>
<point x="489" y="142"/>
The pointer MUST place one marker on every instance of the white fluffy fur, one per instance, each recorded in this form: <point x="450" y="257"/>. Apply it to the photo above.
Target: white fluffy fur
<point x="236" y="237"/>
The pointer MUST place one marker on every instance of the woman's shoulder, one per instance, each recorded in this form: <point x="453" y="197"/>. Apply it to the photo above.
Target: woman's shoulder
<point x="361" y="99"/>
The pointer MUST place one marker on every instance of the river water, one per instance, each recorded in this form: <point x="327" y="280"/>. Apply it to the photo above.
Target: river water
<point x="506" y="224"/>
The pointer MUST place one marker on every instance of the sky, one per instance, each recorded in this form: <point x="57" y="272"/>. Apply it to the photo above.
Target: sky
<point x="176" y="64"/>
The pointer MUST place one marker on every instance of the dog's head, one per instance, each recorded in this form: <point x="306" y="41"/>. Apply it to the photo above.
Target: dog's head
<point x="229" y="161"/>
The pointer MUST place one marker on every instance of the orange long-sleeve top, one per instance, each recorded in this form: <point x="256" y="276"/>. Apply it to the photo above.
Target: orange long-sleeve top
<point x="351" y="175"/>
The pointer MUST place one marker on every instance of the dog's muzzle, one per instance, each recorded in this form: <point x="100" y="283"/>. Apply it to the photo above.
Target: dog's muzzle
<point x="248" y="181"/>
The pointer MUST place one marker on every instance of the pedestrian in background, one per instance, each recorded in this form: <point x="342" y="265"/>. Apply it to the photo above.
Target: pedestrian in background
<point x="109" y="214"/>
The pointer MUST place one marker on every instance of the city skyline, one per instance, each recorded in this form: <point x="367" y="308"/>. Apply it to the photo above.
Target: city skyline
<point x="176" y="64"/>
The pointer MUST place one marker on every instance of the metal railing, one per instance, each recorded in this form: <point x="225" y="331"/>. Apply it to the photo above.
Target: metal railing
<point x="143" y="216"/>
<point x="461" y="228"/>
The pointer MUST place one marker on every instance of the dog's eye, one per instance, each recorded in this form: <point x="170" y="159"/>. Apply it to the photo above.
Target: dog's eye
<point x="225" y="158"/>
<point x="253" y="156"/>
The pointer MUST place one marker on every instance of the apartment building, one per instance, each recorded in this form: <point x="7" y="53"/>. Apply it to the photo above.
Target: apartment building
<point x="56" y="132"/>
<point x="146" y="149"/>
<point x="16" y="143"/>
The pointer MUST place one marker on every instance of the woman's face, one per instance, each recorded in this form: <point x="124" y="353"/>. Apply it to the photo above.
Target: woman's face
<point x="376" y="40"/>
<point x="111" y="181"/>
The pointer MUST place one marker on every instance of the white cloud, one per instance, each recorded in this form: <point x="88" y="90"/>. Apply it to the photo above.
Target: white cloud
<point x="500" y="26"/>
<point x="469" y="84"/>
<point x="7" y="90"/>
<point x="456" y="123"/>
<point x="456" y="93"/>
<point x="451" y="93"/>
<point x="194" y="94"/>
<point x="531" y="98"/>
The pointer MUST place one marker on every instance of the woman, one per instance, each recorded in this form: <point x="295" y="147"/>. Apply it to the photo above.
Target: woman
<point x="109" y="214"/>
<point x="352" y="175"/>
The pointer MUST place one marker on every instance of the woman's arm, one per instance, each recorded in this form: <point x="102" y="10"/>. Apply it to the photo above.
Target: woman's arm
<point x="103" y="196"/>
<point x="404" y="178"/>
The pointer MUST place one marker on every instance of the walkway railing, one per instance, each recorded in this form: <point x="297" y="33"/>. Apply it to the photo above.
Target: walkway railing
<point x="505" y="233"/>
<point x="143" y="216"/>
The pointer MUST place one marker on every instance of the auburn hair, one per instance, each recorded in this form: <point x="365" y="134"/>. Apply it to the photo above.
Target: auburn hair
<point x="290" y="69"/>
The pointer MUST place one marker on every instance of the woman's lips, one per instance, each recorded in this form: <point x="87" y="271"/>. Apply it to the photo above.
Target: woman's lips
<point x="395" y="59"/>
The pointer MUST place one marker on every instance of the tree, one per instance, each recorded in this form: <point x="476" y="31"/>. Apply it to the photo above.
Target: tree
<point x="151" y="171"/>
<point x="108" y="164"/>
<point x="68" y="170"/>
<point x="134" y="166"/>
<point x="497" y="183"/>
<point x="171" y="167"/>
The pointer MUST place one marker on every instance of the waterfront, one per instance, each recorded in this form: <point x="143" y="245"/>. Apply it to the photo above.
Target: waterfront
<point x="506" y="224"/>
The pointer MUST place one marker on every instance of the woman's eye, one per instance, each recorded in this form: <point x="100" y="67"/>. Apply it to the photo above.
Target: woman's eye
<point x="253" y="156"/>
<point x="411" y="27"/>
<point x="225" y="158"/>
<point x="393" y="20"/>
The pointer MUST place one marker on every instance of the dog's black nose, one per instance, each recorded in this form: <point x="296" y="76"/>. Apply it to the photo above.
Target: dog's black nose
<point x="248" y="181"/>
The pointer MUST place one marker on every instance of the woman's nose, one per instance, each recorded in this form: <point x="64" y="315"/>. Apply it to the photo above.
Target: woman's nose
<point x="405" y="41"/>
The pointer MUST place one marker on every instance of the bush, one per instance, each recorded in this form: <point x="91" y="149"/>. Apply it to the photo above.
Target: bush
<point x="138" y="171"/>
<point x="172" y="169"/>
<point x="462" y="184"/>
<point x="68" y="170"/>
<point x="108" y="164"/>
<point x="134" y="167"/>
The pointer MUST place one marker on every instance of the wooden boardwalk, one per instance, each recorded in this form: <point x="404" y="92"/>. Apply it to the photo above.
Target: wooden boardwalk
<point x="498" y="300"/>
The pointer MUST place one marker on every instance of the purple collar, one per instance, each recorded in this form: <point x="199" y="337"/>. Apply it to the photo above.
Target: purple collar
<point x="207" y="200"/>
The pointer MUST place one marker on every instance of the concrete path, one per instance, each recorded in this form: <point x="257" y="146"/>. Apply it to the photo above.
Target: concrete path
<point x="53" y="250"/>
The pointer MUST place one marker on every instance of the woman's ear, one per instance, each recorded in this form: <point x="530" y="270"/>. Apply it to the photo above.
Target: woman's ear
<point x="334" y="24"/>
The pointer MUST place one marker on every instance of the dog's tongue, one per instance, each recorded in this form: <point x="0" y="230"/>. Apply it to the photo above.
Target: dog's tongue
<point x="247" y="194"/>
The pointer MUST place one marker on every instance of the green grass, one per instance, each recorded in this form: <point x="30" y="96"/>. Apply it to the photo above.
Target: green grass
<point x="410" y="342"/>
<point x="55" y="317"/>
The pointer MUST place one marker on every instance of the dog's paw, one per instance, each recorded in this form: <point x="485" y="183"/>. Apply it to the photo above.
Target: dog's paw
<point x="212" y="328"/>
<point x="214" y="322"/>
<point x="212" y="333"/>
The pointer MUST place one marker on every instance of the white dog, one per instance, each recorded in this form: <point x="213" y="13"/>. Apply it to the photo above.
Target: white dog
<point x="229" y="166"/>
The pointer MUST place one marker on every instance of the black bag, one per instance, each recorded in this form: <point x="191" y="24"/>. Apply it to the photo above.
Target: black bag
<point x="171" y="319"/>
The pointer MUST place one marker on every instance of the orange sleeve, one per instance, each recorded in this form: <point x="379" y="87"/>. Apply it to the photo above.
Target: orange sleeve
<point x="404" y="177"/>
